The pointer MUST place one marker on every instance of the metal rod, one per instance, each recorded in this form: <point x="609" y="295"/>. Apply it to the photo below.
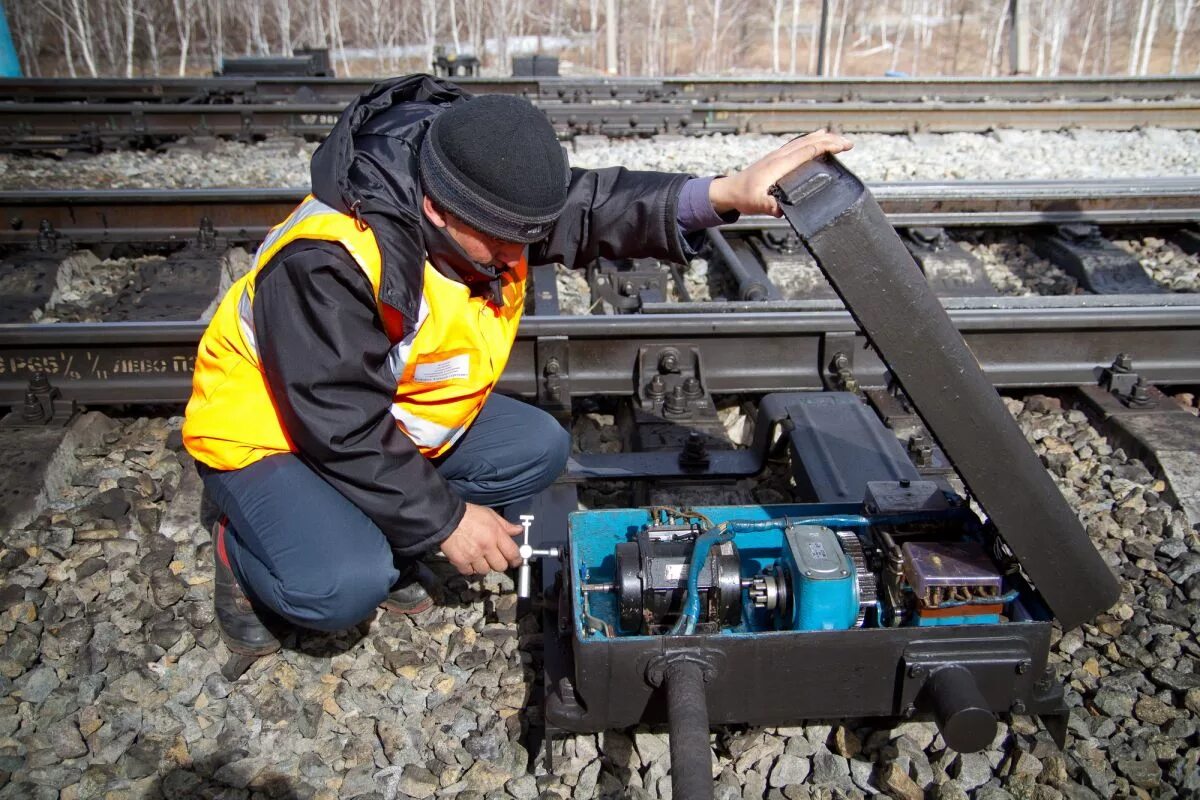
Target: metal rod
<point x="691" y="755"/>
<point x="964" y="719"/>
<point x="752" y="280"/>
<point x="822" y="66"/>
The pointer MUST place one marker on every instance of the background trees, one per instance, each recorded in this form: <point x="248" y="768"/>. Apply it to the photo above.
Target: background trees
<point x="656" y="37"/>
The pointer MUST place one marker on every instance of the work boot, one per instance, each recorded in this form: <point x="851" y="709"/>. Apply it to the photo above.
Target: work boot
<point x="240" y="625"/>
<point x="413" y="591"/>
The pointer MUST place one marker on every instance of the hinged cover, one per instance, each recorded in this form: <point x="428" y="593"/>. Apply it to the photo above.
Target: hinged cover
<point x="872" y="271"/>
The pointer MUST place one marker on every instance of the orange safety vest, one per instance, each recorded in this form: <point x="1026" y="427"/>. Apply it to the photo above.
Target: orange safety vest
<point x="444" y="369"/>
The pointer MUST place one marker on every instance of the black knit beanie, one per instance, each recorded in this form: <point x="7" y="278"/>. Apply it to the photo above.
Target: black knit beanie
<point x="495" y="163"/>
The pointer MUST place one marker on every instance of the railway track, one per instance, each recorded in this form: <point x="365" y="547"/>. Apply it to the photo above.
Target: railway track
<point x="710" y="90"/>
<point x="755" y="338"/>
<point x="97" y="115"/>
<point x="244" y="215"/>
<point x="1043" y="343"/>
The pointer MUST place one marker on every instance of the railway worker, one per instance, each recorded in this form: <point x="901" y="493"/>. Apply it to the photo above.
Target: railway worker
<point x="342" y="413"/>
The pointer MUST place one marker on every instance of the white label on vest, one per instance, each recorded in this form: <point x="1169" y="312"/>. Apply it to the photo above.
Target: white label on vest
<point x="458" y="366"/>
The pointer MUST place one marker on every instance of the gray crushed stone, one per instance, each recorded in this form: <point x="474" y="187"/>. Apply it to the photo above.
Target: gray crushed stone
<point x="1004" y="155"/>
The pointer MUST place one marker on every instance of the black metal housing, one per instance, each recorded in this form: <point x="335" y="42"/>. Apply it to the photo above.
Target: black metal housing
<point x="874" y="274"/>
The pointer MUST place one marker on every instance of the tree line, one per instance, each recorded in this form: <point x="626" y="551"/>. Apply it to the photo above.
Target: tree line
<point x="654" y="37"/>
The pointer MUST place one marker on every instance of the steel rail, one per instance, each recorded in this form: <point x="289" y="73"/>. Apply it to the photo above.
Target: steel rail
<point x="246" y="214"/>
<point x="767" y="89"/>
<point x="1019" y="344"/>
<point x="941" y="117"/>
<point x="97" y="125"/>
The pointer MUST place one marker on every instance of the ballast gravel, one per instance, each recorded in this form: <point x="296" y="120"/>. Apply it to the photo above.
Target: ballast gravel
<point x="110" y="684"/>
<point x="1002" y="155"/>
<point x="1165" y="262"/>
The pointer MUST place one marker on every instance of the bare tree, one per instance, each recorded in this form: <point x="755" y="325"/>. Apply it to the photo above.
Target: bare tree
<point x="1135" y="46"/>
<point x="429" y="27"/>
<point x="1151" y="31"/>
<point x="1087" y="39"/>
<point x="212" y="25"/>
<point x="29" y="28"/>
<point x="998" y="29"/>
<point x="150" y="22"/>
<point x="1183" y="16"/>
<point x="283" y="16"/>
<point x="453" y="5"/>
<point x="776" y="18"/>
<point x="75" y="24"/>
<point x="795" y="36"/>
<point x="184" y="13"/>
<point x="130" y="19"/>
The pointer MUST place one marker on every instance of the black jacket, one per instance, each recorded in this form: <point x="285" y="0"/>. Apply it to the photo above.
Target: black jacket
<point x="320" y="339"/>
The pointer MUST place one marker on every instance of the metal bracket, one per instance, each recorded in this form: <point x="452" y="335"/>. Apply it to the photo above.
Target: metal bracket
<point x="629" y="283"/>
<point x="1121" y="380"/>
<point x="1002" y="668"/>
<point x="670" y="381"/>
<point x="48" y="239"/>
<point x="552" y="360"/>
<point x="545" y="291"/>
<point x="710" y="662"/>
<point x="949" y="268"/>
<point x="44" y="406"/>
<point x="206" y="235"/>
<point x="1100" y="266"/>
<point x="837" y="362"/>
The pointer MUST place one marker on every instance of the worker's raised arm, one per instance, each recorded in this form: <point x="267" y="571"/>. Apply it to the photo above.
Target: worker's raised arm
<point x="616" y="213"/>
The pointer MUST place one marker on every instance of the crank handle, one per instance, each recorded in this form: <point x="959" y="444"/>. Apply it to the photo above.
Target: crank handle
<point x="525" y="571"/>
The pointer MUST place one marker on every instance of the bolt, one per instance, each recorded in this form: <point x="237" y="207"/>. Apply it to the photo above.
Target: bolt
<point x="39" y="383"/>
<point x="905" y="483"/>
<point x="676" y="403"/>
<point x="1122" y="363"/>
<point x="1023" y="667"/>
<point x="916" y="670"/>
<point x="1140" y="396"/>
<point x="1018" y="707"/>
<point x="841" y="361"/>
<point x="910" y="710"/>
<point x="668" y="362"/>
<point x="32" y="410"/>
<point x="656" y="388"/>
<point x="628" y="289"/>
<point x="694" y="450"/>
<point x="552" y="367"/>
<point x="691" y="387"/>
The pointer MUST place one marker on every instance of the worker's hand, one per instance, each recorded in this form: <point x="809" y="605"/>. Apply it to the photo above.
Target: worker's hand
<point x="747" y="191"/>
<point x="482" y="542"/>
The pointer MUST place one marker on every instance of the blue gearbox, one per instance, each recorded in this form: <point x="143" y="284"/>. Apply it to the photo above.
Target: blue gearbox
<point x="819" y="582"/>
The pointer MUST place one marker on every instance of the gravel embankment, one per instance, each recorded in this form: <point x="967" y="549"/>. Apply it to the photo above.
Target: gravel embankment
<point x="1006" y="155"/>
<point x="109" y="682"/>
<point x="1165" y="262"/>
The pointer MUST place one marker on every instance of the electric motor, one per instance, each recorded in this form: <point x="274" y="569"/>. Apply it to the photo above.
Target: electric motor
<point x="652" y="578"/>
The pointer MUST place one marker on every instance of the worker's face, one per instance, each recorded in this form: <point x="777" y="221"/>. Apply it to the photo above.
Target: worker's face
<point x="479" y="247"/>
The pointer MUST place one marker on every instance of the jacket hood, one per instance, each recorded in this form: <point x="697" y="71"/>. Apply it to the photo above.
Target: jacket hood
<point x="368" y="168"/>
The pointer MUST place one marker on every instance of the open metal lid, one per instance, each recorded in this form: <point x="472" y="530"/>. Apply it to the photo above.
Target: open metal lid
<point x="865" y="261"/>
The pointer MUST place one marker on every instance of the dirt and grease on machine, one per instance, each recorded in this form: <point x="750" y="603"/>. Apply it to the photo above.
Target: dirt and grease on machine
<point x="885" y="595"/>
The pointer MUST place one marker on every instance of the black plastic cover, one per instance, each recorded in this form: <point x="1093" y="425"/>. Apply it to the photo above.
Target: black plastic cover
<point x="868" y="265"/>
